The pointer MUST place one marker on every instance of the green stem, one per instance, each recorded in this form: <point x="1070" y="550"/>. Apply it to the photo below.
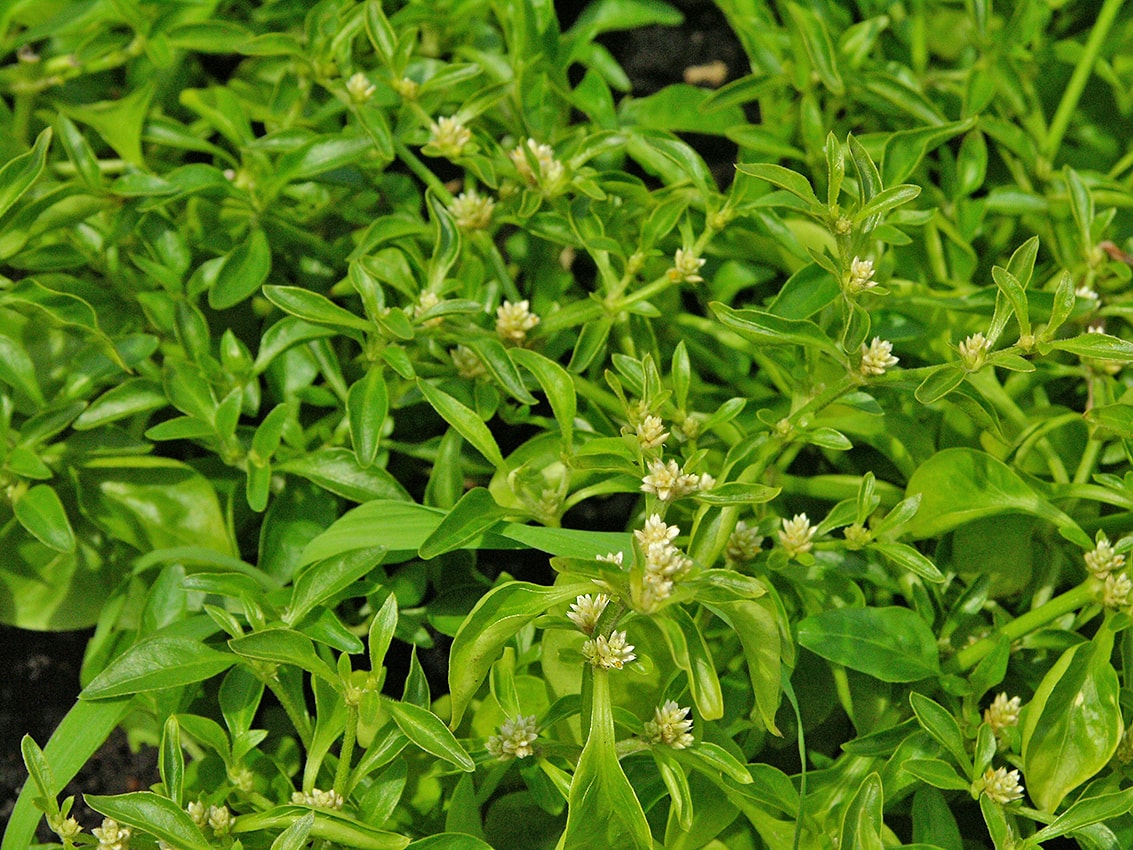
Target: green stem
<point x="296" y="714"/>
<point x="1069" y="601"/>
<point x="345" y="754"/>
<point x="1081" y="75"/>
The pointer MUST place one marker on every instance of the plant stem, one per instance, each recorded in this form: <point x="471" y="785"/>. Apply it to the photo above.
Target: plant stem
<point x="342" y="775"/>
<point x="1078" y="79"/>
<point x="1071" y="600"/>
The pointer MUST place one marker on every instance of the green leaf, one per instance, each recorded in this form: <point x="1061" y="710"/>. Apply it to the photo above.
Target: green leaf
<point x="498" y="361"/>
<point x="325" y="579"/>
<point x="243" y="271"/>
<point x="940" y="382"/>
<point x="1098" y="346"/>
<point x="465" y="421"/>
<point x="737" y="493"/>
<point x="338" y="471"/>
<point x="19" y="173"/>
<point x="1010" y="286"/>
<point x="500" y="613"/>
<point x="1087" y="811"/>
<point x="937" y="773"/>
<point x="284" y="646"/>
<point x="1073" y="724"/>
<point x="446" y="243"/>
<point x="889" y="643"/>
<point x="449" y="841"/>
<point x="910" y="559"/>
<point x="766" y="329"/>
<point x="171" y="761"/>
<point x="558" y="387"/>
<point x="474" y="514"/>
<point x="1117" y="418"/>
<point x="819" y="47"/>
<point x="782" y="177"/>
<point x="759" y="635"/>
<point x="153" y="814"/>
<point x="429" y="732"/>
<point x="129" y="398"/>
<point x="295" y="836"/>
<point x="885" y="201"/>
<point x="367" y="405"/>
<point x="336" y="828"/>
<point x="690" y="653"/>
<point x="155" y="663"/>
<point x="603" y="809"/>
<point x="319" y="155"/>
<point x="960" y="485"/>
<point x="40" y="511"/>
<point x="941" y="725"/>
<point x="312" y="307"/>
<point x="862" y="823"/>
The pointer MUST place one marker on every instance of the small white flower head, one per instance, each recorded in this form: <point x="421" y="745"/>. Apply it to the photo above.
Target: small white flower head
<point x="1118" y="591"/>
<point x="467" y="362"/>
<point x="220" y="819"/>
<point x="449" y="136"/>
<point x="689" y="428"/>
<point x="426" y="301"/>
<point x="861" y="276"/>
<point x="843" y="226"/>
<point x="472" y="210"/>
<point x="656" y="531"/>
<point x="974" y="351"/>
<point x="586" y="609"/>
<point x="611" y="653"/>
<point x="317" y="799"/>
<point x="1103" y="560"/>
<point x="1002" y="713"/>
<point x="1096" y="328"/>
<point x="515" y="739"/>
<point x="796" y="536"/>
<point x="704" y="481"/>
<point x="670" y="726"/>
<point x="199" y="813"/>
<point x="877" y="357"/>
<point x="743" y="543"/>
<point x="668" y="481"/>
<point x="1002" y="785"/>
<point x="651" y="433"/>
<point x="360" y="88"/>
<point x="550" y="175"/>
<point x="1087" y="293"/>
<point x="406" y="87"/>
<point x="68" y="830"/>
<point x="112" y="835"/>
<point x="513" y="321"/>
<point x="686" y="266"/>
<point x="612" y="558"/>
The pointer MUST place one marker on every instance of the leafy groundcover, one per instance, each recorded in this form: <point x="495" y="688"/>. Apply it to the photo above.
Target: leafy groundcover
<point x="779" y="509"/>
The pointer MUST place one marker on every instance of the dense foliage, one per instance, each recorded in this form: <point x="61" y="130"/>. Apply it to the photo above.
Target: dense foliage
<point x="324" y="327"/>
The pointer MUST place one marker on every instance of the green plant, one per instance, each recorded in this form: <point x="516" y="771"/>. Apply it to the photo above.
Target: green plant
<point x="487" y="303"/>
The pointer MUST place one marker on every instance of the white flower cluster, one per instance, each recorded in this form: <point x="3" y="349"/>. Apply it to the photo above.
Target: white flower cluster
<point x="797" y="535"/>
<point x="611" y="653"/>
<point x="513" y="321"/>
<point x="651" y="433"/>
<point x="551" y="173"/>
<point x="218" y="818"/>
<point x="586" y="609"/>
<point x="426" y="301"/>
<point x="861" y="276"/>
<point x="472" y="210"/>
<point x="360" y="88"/>
<point x="1103" y="560"/>
<point x="665" y="564"/>
<point x="1002" y="785"/>
<point x="318" y="799"/>
<point x="974" y="351"/>
<point x="743" y="543"/>
<point x="877" y="357"/>
<point x="670" y="726"/>
<point x="514" y="739"/>
<point x="1002" y="713"/>
<point x="112" y="835"/>
<point x="467" y="362"/>
<point x="667" y="481"/>
<point x="686" y="266"/>
<point x="449" y="136"/>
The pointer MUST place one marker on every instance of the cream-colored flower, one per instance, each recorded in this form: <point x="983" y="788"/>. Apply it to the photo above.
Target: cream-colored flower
<point x="199" y="812"/>
<point x="974" y="351"/>
<point x="426" y="301"/>
<point x="467" y="362"/>
<point x="406" y="87"/>
<point x="656" y="531"/>
<point x="843" y="226"/>
<point x="220" y="819"/>
<point x="796" y="535"/>
<point x="877" y="357"/>
<point x="550" y="172"/>
<point x="686" y="266"/>
<point x="360" y="88"/>
<point x="610" y="653"/>
<point x="112" y="835"/>
<point x="668" y="481"/>
<point x="472" y="210"/>
<point x="514" y="738"/>
<point x="1002" y="713"/>
<point x="586" y="609"/>
<point x="857" y="536"/>
<point x="743" y="543"/>
<point x="1103" y="560"/>
<point x="317" y="799"/>
<point x="1002" y="785"/>
<point x="449" y="136"/>
<point x="612" y="558"/>
<point x="670" y="726"/>
<point x="1087" y="293"/>
<point x="1118" y="592"/>
<point x="67" y="830"/>
<point x="861" y="276"/>
<point x="513" y="321"/>
<point x="704" y="481"/>
<point x="651" y="433"/>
